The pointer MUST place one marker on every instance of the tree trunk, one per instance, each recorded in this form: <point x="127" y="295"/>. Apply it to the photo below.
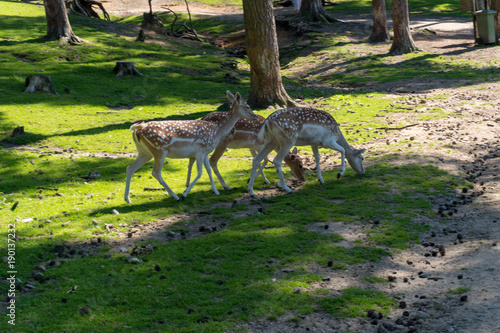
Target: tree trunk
<point x="380" y="31"/>
<point x="58" y="26"/>
<point x="313" y="11"/>
<point x="266" y="86"/>
<point x="403" y="42"/>
<point x="495" y="5"/>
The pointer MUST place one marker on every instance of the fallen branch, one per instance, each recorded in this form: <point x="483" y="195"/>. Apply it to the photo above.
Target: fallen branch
<point x="396" y="128"/>
<point x="47" y="188"/>
<point x="154" y="189"/>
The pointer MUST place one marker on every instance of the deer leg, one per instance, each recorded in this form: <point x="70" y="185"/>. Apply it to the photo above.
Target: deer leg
<point x="199" y="167"/>
<point x="190" y="168"/>
<point x="209" y="171"/>
<point x="317" y="159"/>
<point x="256" y="166"/>
<point x="337" y="147"/>
<point x="278" y="161"/>
<point x="159" y="161"/>
<point x="266" y="160"/>
<point x="141" y="159"/>
<point x="214" y="159"/>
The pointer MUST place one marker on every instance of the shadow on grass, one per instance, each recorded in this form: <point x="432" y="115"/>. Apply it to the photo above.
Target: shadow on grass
<point x="248" y="269"/>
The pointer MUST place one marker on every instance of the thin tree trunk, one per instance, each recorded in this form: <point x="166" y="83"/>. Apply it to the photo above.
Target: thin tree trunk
<point x="58" y="26"/>
<point x="495" y="5"/>
<point x="266" y="86"/>
<point x="403" y="41"/>
<point x="312" y="10"/>
<point x="380" y="31"/>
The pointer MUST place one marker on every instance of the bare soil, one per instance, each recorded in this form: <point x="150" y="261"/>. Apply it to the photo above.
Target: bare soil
<point x="466" y="225"/>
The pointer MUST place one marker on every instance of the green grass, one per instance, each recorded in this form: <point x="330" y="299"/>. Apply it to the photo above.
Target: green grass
<point x="457" y="291"/>
<point x="415" y="6"/>
<point x="214" y="282"/>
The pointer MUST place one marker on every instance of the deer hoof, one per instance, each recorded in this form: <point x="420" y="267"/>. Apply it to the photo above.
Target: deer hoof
<point x="338" y="175"/>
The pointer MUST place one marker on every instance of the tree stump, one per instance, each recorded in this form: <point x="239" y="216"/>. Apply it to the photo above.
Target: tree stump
<point x="36" y="83"/>
<point x="142" y="36"/>
<point x="19" y="130"/>
<point x="125" y="68"/>
<point x="153" y="22"/>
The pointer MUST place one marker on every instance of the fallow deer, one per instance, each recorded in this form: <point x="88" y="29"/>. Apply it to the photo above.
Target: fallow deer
<point x="244" y="135"/>
<point x="183" y="139"/>
<point x="290" y="127"/>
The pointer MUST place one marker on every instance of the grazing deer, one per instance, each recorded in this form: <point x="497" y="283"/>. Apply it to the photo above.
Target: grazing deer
<point x="244" y="135"/>
<point x="290" y="127"/>
<point x="183" y="139"/>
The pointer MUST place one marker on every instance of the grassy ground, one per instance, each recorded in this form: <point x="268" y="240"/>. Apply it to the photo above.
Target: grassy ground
<point x="210" y="283"/>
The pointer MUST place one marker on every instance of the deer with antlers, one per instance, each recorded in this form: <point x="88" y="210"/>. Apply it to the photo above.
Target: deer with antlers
<point x="183" y="139"/>
<point x="290" y="127"/>
<point x="245" y="135"/>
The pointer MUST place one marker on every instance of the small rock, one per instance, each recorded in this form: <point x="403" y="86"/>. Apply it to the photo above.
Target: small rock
<point x="402" y="305"/>
<point x="115" y="212"/>
<point x="421" y="315"/>
<point x="423" y="275"/>
<point x="85" y="311"/>
<point x="297" y="291"/>
<point x="123" y="250"/>
<point x="134" y="260"/>
<point x="27" y="220"/>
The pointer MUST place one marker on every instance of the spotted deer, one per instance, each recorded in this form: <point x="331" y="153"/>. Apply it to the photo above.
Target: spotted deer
<point x="183" y="139"/>
<point x="290" y="127"/>
<point x="244" y="135"/>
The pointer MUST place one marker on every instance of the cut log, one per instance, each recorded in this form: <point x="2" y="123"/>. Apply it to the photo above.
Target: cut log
<point x="36" y="83"/>
<point x="125" y="68"/>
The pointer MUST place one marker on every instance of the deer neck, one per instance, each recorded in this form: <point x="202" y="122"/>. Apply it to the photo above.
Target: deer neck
<point x="343" y="142"/>
<point x="227" y="124"/>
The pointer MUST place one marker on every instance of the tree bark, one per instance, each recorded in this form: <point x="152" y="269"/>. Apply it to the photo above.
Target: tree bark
<point x="266" y="86"/>
<point x="380" y="32"/>
<point x="125" y="68"/>
<point x="495" y="5"/>
<point x="36" y="83"/>
<point x="312" y="10"/>
<point x="403" y="42"/>
<point x="58" y="26"/>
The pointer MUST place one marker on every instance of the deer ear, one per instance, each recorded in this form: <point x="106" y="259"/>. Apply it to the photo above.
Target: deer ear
<point x="230" y="96"/>
<point x="294" y="151"/>
<point x="361" y="151"/>
<point x="238" y="97"/>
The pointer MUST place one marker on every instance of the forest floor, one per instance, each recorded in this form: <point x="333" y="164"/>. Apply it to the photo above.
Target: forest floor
<point x="454" y="292"/>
